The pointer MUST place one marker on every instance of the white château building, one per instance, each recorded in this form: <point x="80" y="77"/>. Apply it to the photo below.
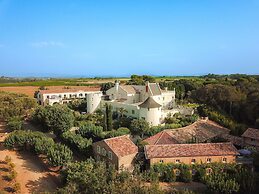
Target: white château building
<point x="148" y="102"/>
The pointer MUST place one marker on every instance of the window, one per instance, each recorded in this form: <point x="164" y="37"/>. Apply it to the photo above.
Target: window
<point x="60" y="96"/>
<point x="48" y="97"/>
<point x="110" y="155"/>
<point x="98" y="149"/>
<point x="143" y="118"/>
<point x="85" y="94"/>
<point x="163" y="98"/>
<point x="104" y="152"/>
<point x="177" y="161"/>
<point x="252" y="140"/>
<point x="70" y="95"/>
<point x="193" y="161"/>
<point x="65" y="95"/>
<point x="133" y="112"/>
<point x="161" y="161"/>
<point x="208" y="171"/>
<point x="80" y="94"/>
<point x="208" y="160"/>
<point x="224" y="160"/>
<point x="177" y="172"/>
<point x="148" y="109"/>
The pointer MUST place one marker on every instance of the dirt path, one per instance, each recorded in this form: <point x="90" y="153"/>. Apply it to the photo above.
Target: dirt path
<point x="33" y="175"/>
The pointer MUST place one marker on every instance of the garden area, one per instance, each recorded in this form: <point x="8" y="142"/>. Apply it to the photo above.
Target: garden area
<point x="8" y="176"/>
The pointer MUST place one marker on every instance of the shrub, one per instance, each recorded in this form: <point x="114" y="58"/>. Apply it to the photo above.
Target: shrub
<point x="7" y="159"/>
<point x="11" y="176"/>
<point x="15" y="123"/>
<point x="57" y="154"/>
<point x="17" y="187"/>
<point x="77" y="142"/>
<point x="186" y="175"/>
<point x="12" y="165"/>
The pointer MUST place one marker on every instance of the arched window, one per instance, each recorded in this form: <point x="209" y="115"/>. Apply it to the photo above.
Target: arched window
<point x="208" y="171"/>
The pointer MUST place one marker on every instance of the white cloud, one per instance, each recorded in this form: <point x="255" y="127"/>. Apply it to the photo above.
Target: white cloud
<point x="47" y="44"/>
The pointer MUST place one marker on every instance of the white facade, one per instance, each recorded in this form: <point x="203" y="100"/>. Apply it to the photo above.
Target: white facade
<point x="93" y="98"/>
<point x="147" y="102"/>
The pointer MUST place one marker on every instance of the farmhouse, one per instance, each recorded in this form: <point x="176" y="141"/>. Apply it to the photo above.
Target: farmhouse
<point x="148" y="102"/>
<point x="203" y="130"/>
<point x="191" y="153"/>
<point x="50" y="97"/>
<point x="117" y="151"/>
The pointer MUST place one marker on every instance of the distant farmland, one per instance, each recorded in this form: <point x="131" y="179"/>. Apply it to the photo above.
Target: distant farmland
<point x="29" y="90"/>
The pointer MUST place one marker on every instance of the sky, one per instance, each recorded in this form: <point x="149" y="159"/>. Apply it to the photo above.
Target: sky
<point x="123" y="37"/>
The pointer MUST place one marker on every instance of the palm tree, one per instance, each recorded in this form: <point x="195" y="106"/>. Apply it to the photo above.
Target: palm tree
<point x="122" y="111"/>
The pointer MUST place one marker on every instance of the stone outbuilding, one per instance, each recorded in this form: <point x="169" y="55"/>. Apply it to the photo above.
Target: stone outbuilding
<point x="191" y="153"/>
<point x="117" y="151"/>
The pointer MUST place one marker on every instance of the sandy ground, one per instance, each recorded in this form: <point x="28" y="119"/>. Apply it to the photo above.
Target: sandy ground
<point x="29" y="90"/>
<point x="33" y="175"/>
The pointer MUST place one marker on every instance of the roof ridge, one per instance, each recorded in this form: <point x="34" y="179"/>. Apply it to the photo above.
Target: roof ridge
<point x="162" y="133"/>
<point x="182" y="144"/>
<point x="116" y="137"/>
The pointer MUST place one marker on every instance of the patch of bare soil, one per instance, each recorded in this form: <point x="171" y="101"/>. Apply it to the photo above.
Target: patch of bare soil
<point x="32" y="173"/>
<point x="7" y="181"/>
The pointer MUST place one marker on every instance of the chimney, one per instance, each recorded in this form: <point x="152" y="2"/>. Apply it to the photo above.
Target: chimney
<point x="147" y="86"/>
<point x="117" y="83"/>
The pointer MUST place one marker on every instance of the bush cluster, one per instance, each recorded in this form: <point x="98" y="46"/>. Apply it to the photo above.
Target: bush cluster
<point x="221" y="178"/>
<point x="56" y="153"/>
<point x="96" y="133"/>
<point x="15" y="123"/>
<point x="77" y="142"/>
<point x="57" y="118"/>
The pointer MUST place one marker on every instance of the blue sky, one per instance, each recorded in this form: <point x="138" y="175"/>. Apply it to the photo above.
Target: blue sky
<point x="124" y="37"/>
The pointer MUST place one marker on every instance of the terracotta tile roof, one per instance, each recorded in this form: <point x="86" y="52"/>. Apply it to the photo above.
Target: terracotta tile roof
<point x="122" y="145"/>
<point x="201" y="130"/>
<point x="85" y="89"/>
<point x="189" y="150"/>
<point x="161" y="138"/>
<point x="251" y="133"/>
<point x="233" y="139"/>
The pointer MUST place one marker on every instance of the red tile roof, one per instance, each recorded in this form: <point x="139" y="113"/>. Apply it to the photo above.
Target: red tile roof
<point x="251" y="133"/>
<point x="72" y="90"/>
<point x="201" y="130"/>
<point x="233" y="139"/>
<point x="161" y="138"/>
<point x="189" y="150"/>
<point x="122" y="145"/>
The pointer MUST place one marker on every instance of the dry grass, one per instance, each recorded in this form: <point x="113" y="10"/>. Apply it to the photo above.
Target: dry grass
<point x="29" y="90"/>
